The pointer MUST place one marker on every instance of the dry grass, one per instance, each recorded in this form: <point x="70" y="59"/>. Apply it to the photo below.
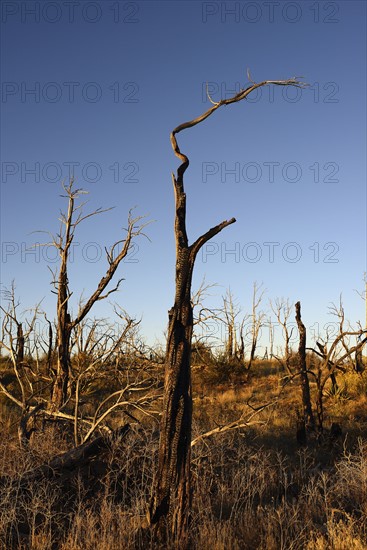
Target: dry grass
<point x="253" y="488"/>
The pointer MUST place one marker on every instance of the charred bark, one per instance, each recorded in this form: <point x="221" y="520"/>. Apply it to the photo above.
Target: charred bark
<point x="172" y="498"/>
<point x="169" y="508"/>
<point x="171" y="501"/>
<point x="359" y="366"/>
<point x="230" y="343"/>
<point x="252" y="354"/>
<point x="306" y="397"/>
<point x="170" y="504"/>
<point x="63" y="335"/>
<point x="50" y="346"/>
<point x="20" y="345"/>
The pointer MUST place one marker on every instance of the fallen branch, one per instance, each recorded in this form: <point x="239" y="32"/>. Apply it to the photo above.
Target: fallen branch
<point x="235" y="425"/>
<point x="71" y="460"/>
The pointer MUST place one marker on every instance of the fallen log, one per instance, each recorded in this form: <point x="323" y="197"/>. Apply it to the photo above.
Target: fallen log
<point x="76" y="458"/>
<point x="59" y="475"/>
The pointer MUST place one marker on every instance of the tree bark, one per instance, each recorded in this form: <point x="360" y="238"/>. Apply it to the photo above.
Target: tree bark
<point x="173" y="497"/>
<point x="306" y="398"/>
<point x="171" y="501"/>
<point x="170" y="504"/>
<point x="230" y="345"/>
<point x="20" y="345"/>
<point x="63" y="334"/>
<point x="359" y="366"/>
<point x="252" y="353"/>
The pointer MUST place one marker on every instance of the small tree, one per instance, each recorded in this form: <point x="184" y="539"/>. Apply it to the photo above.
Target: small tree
<point x="282" y="311"/>
<point x="15" y="337"/>
<point x="96" y="345"/>
<point x="231" y="310"/>
<point x="334" y="355"/>
<point x="257" y="321"/>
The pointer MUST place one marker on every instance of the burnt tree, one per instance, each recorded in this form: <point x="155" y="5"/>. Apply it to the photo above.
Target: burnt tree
<point x="65" y="324"/>
<point x="171" y="499"/>
<point x="257" y="321"/>
<point x="308" y="418"/>
<point x="282" y="310"/>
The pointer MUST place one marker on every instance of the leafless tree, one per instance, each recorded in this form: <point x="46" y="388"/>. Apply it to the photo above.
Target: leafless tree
<point x="171" y="497"/>
<point x="95" y="344"/>
<point x="65" y="325"/>
<point x="257" y="320"/>
<point x="230" y="313"/>
<point x="282" y="310"/>
<point x="270" y="324"/>
<point x="15" y="336"/>
<point x="91" y="349"/>
<point x="335" y="353"/>
<point x="359" y="364"/>
<point x="202" y="313"/>
<point x="98" y="346"/>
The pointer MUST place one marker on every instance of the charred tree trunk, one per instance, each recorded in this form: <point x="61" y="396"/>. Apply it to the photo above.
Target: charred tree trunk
<point x="63" y="334"/>
<point x="306" y="398"/>
<point x="320" y="401"/>
<point x="24" y="431"/>
<point x="287" y="354"/>
<point x="49" y="350"/>
<point x="359" y="366"/>
<point x="252" y="354"/>
<point x="173" y="498"/>
<point x="170" y="503"/>
<point x="230" y="343"/>
<point x="61" y="383"/>
<point x="20" y="345"/>
<point x="241" y="349"/>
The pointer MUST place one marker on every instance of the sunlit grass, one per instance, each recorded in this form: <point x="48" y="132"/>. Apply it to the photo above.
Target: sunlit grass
<point x="253" y="488"/>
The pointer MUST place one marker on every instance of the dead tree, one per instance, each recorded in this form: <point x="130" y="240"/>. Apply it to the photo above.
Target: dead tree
<point x="48" y="349"/>
<point x="65" y="324"/>
<point x="202" y="313"/>
<point x="231" y="310"/>
<point x="331" y="362"/>
<point x="170" y="503"/>
<point x="308" y="418"/>
<point x="14" y="339"/>
<point x="257" y="321"/>
<point x="134" y="391"/>
<point x="359" y="365"/>
<point x="271" y="338"/>
<point x="334" y="357"/>
<point x="282" y="310"/>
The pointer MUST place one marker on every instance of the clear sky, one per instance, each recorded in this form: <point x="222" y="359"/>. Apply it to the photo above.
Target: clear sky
<point x="99" y="85"/>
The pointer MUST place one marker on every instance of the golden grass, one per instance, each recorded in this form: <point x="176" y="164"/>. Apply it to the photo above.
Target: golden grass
<point x="253" y="488"/>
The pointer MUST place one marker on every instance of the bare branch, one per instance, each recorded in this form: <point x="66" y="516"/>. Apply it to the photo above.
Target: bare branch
<point x="195" y="247"/>
<point x="133" y="230"/>
<point x="242" y="422"/>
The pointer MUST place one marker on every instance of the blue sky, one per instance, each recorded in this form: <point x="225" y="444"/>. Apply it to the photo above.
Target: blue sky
<point x="111" y="79"/>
